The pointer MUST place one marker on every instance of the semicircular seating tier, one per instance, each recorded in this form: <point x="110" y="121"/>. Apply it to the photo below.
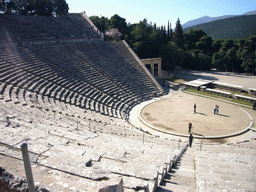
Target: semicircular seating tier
<point x="66" y="59"/>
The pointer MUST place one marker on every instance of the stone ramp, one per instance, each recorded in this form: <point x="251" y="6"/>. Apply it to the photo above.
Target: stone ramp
<point x="182" y="176"/>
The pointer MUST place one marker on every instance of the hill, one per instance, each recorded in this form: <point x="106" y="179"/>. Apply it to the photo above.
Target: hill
<point x="250" y="13"/>
<point x="232" y="27"/>
<point x="204" y="19"/>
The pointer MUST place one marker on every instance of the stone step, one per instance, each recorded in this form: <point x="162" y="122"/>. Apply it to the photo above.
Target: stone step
<point x="182" y="175"/>
<point x="7" y="93"/>
<point x="173" y="187"/>
<point x="14" y="95"/>
<point x="28" y="97"/>
<point x="21" y="96"/>
<point x="41" y="102"/>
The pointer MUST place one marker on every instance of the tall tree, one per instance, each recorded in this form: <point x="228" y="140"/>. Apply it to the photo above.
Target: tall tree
<point x="233" y="61"/>
<point x="118" y="22"/>
<point x="10" y="6"/>
<point x="44" y="7"/>
<point x="247" y="53"/>
<point x="170" y="33"/>
<point x="172" y="56"/>
<point x="141" y="31"/>
<point x="178" y="36"/>
<point x="218" y="60"/>
<point x="192" y="37"/>
<point x="36" y="7"/>
<point x="205" y="44"/>
<point x="61" y="7"/>
<point x="168" y="30"/>
<point x="102" y="23"/>
<point x="3" y="5"/>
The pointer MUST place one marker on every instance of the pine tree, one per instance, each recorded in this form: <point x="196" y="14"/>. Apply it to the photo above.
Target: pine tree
<point x="168" y="31"/>
<point x="155" y="26"/>
<point x="61" y="7"/>
<point x="171" y="32"/>
<point x="178" y="36"/>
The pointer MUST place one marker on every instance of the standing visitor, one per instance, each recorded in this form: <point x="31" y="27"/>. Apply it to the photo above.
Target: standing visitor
<point x="189" y="127"/>
<point x="190" y="140"/>
<point x="215" y="108"/>
<point x="194" y="108"/>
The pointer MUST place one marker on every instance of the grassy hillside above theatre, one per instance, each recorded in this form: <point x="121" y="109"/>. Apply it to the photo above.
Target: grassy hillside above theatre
<point x="234" y="27"/>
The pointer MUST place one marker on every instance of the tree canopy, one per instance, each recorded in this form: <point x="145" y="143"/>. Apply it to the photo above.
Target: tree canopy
<point x="178" y="36"/>
<point x="35" y="7"/>
<point x="193" y="50"/>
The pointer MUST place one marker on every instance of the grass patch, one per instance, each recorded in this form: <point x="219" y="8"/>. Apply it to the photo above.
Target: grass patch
<point x="219" y="97"/>
<point x="242" y="102"/>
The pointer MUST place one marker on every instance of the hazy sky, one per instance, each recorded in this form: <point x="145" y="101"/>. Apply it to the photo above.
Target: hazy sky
<point x="160" y="11"/>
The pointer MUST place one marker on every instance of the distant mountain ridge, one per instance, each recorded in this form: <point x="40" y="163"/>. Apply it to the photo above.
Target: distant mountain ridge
<point x="206" y="19"/>
<point x="236" y="27"/>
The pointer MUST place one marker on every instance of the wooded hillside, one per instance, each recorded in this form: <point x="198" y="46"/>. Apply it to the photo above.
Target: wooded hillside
<point x="234" y="27"/>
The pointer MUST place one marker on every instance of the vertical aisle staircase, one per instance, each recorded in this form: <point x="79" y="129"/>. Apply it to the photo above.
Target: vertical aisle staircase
<point x="182" y="175"/>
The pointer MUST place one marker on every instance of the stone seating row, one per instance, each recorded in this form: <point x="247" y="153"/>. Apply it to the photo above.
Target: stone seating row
<point x="136" y="69"/>
<point x="225" y="167"/>
<point x="66" y="25"/>
<point x="31" y="28"/>
<point x="82" y="24"/>
<point x="94" y="84"/>
<point x="27" y="98"/>
<point x="23" y="27"/>
<point x="121" y="93"/>
<point x="45" y="92"/>
<point x="105" y="67"/>
<point x="13" y="93"/>
<point x="68" y="148"/>
<point x="120" y="65"/>
<point x="87" y="72"/>
<point x="88" y="53"/>
<point x="34" y="83"/>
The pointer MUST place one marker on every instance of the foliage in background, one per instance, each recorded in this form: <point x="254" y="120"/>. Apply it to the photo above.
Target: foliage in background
<point x="194" y="49"/>
<point x="35" y="7"/>
<point x="237" y="27"/>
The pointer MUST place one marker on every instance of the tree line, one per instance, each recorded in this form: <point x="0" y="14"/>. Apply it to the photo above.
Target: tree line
<point x="192" y="50"/>
<point x="35" y="7"/>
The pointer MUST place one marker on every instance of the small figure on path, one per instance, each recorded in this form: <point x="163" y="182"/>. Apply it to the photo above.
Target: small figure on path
<point x="254" y="105"/>
<point x="190" y="140"/>
<point x="194" y="108"/>
<point x="217" y="109"/>
<point x="189" y="127"/>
